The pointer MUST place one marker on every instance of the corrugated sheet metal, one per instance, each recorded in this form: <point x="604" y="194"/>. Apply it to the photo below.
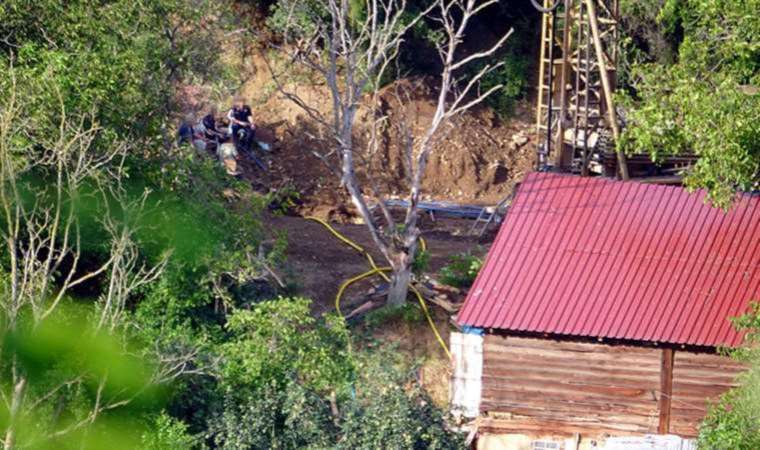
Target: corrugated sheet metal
<point x="600" y="258"/>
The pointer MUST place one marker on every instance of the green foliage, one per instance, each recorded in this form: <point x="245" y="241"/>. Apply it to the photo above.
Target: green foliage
<point x="287" y="417"/>
<point x="462" y="270"/>
<point x="83" y="369"/>
<point x="408" y="312"/>
<point x="650" y="32"/>
<point x="279" y="340"/>
<point x="279" y="366"/>
<point x="421" y="261"/>
<point x="512" y="75"/>
<point x="297" y="18"/>
<point x="390" y="410"/>
<point x="167" y="433"/>
<point x="735" y="421"/>
<point x="188" y="211"/>
<point x="115" y="59"/>
<point x="283" y="201"/>
<point x="289" y="381"/>
<point x="390" y="416"/>
<point x="705" y="103"/>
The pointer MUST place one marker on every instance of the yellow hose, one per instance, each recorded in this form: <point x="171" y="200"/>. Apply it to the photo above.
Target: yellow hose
<point x="350" y="281"/>
<point x="379" y="271"/>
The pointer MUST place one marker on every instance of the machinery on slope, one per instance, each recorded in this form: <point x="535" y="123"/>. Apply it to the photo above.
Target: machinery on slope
<point x="577" y="122"/>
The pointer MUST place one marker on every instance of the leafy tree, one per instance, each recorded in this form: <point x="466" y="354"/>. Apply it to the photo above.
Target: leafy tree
<point x="82" y="83"/>
<point x="117" y="60"/>
<point x="289" y="381"/>
<point x="390" y="410"/>
<point x="273" y="416"/>
<point x="707" y="102"/>
<point x="735" y="421"/>
<point x="167" y="433"/>
<point x="279" y="368"/>
<point x="42" y="261"/>
<point x="279" y="341"/>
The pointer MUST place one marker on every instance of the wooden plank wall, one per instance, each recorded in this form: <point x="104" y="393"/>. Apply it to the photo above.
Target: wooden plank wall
<point x="698" y="379"/>
<point x="547" y="387"/>
<point x="553" y="387"/>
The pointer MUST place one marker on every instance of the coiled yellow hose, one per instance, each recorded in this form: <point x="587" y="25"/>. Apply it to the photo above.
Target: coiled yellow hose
<point x="378" y="271"/>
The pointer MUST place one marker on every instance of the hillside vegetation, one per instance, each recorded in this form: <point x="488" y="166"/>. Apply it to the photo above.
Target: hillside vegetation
<point x="148" y="300"/>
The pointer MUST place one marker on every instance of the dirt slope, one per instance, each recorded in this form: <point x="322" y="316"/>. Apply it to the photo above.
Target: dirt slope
<point x="477" y="160"/>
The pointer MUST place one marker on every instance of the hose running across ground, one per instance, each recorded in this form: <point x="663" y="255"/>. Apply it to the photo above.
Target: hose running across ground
<point x="378" y="271"/>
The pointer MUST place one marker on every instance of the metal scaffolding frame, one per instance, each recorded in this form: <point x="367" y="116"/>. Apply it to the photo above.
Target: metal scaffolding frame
<point x="575" y="113"/>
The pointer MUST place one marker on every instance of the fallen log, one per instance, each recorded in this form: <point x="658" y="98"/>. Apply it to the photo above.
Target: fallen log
<point x="363" y="309"/>
<point x="442" y="302"/>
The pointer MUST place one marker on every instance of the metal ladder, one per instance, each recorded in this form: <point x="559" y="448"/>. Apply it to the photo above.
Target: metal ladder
<point x="488" y="214"/>
<point x="546" y="108"/>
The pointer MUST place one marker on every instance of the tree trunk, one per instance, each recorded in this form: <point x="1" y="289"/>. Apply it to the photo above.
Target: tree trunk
<point x="10" y="432"/>
<point x="400" y="279"/>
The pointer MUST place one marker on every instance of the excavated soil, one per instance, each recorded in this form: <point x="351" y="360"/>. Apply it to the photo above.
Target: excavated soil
<point x="477" y="158"/>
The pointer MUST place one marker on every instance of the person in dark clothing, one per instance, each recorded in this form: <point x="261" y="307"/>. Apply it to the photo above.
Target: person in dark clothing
<point x="211" y="134"/>
<point x="209" y="127"/>
<point x="241" y="123"/>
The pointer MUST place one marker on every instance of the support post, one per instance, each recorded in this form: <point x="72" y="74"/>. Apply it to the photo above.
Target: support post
<point x="606" y="86"/>
<point x="666" y="390"/>
<point x="561" y="159"/>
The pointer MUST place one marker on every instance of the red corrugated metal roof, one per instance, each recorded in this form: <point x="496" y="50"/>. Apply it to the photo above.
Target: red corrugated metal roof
<point x="601" y="258"/>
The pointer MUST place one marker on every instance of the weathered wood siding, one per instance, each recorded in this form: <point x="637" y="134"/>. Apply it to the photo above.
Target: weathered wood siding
<point x="544" y="386"/>
<point x="548" y="387"/>
<point x="698" y="379"/>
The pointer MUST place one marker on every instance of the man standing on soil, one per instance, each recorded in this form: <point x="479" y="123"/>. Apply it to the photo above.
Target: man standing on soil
<point x="241" y="119"/>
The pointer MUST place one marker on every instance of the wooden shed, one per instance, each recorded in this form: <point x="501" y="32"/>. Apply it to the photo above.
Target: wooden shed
<point x="600" y="308"/>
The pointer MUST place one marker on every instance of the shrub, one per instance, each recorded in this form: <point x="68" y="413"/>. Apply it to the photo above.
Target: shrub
<point x="421" y="261"/>
<point x="735" y="421"/>
<point x="167" y="433"/>
<point x="409" y="312"/>
<point x="289" y="381"/>
<point x="513" y="75"/>
<point x="462" y="270"/>
<point x="390" y="410"/>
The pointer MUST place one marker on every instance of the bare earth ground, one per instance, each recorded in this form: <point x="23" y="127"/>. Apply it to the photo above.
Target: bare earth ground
<point x="320" y="262"/>
<point x="474" y="164"/>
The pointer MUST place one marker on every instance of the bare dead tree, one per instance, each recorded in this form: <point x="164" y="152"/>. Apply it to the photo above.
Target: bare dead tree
<point x="43" y="246"/>
<point x="353" y="51"/>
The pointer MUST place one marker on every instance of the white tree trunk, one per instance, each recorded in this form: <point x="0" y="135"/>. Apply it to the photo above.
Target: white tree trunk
<point x="399" y="288"/>
<point x="19" y="388"/>
<point x="401" y="262"/>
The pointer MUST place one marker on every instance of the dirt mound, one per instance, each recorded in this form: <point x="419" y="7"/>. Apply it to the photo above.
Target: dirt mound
<point x="477" y="159"/>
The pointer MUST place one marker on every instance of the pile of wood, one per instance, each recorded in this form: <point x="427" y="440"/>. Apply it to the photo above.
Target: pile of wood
<point x="449" y="298"/>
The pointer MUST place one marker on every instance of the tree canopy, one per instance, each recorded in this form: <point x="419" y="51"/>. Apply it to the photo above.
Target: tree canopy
<point x="707" y="101"/>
